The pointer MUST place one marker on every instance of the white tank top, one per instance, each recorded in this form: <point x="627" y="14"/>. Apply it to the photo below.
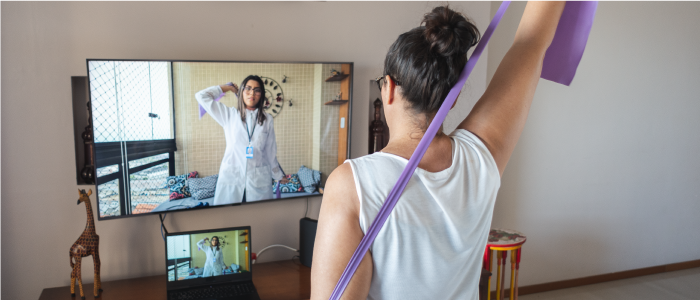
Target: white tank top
<point x="432" y="245"/>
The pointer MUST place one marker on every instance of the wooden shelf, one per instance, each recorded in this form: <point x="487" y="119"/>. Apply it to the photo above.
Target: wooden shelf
<point x="336" y="102"/>
<point x="282" y="279"/>
<point x="338" y="77"/>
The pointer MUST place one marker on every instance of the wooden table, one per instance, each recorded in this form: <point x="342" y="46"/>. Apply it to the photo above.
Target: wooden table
<point x="274" y="280"/>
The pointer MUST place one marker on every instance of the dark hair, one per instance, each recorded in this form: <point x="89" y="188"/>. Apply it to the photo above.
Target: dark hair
<point x="427" y="60"/>
<point x="241" y="105"/>
<point x="218" y="241"/>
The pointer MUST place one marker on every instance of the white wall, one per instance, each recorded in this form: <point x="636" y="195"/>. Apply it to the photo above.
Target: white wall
<point x="605" y="176"/>
<point x="45" y="43"/>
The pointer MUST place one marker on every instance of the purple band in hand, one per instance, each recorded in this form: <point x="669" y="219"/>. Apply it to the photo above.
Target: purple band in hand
<point x="202" y="111"/>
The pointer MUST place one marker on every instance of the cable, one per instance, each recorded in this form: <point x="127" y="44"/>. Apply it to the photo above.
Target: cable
<point x="162" y="226"/>
<point x="179" y="205"/>
<point x="255" y="256"/>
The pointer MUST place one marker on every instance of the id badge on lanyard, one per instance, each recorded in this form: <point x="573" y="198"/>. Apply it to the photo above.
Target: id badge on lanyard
<point x="249" y="152"/>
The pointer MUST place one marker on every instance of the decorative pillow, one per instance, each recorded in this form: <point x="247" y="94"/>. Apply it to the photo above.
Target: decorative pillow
<point x="235" y="268"/>
<point x="178" y="185"/>
<point x="310" y="179"/>
<point x="293" y="186"/>
<point x="203" y="188"/>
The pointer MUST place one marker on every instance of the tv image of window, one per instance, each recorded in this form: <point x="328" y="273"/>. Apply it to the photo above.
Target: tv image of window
<point x="173" y="135"/>
<point x="201" y="255"/>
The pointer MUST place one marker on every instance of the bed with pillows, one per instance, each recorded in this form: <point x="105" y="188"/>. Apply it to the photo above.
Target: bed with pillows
<point x="190" y="191"/>
<point x="197" y="272"/>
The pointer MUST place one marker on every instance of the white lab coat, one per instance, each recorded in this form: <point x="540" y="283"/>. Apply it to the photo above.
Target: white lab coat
<point x="215" y="260"/>
<point x="237" y="173"/>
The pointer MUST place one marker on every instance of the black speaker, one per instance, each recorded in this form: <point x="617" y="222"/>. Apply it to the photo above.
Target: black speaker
<point x="307" y="235"/>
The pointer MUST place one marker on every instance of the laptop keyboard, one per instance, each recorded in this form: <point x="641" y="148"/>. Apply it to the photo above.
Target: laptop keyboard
<point x="213" y="292"/>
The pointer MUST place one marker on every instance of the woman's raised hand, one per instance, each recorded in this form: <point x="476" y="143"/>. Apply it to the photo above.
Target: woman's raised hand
<point x="229" y="87"/>
<point x="499" y="116"/>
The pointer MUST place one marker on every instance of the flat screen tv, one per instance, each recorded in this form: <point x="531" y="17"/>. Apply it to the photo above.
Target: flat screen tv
<point x="172" y="135"/>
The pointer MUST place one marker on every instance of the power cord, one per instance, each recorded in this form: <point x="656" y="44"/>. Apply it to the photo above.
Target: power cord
<point x="162" y="226"/>
<point x="255" y="256"/>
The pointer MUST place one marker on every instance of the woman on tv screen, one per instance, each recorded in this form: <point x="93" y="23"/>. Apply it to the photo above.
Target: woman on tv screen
<point x="250" y="159"/>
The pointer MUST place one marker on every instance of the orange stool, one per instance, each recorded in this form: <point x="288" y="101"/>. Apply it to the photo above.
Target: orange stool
<point x="504" y="240"/>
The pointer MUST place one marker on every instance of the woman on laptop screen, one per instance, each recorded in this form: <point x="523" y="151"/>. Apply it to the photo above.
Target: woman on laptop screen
<point x="214" y="264"/>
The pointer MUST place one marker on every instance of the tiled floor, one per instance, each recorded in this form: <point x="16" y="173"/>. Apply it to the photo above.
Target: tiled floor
<point x="679" y="285"/>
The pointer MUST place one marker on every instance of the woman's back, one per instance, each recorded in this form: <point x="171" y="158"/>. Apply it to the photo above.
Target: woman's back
<point x="431" y="245"/>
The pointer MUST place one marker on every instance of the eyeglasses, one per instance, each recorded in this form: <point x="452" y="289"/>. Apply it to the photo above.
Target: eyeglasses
<point x="257" y="90"/>
<point x="381" y="79"/>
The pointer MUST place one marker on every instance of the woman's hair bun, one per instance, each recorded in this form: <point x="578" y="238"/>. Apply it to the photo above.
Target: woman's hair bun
<point x="448" y="32"/>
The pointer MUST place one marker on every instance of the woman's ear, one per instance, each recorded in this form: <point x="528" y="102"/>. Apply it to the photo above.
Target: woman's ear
<point x="388" y="90"/>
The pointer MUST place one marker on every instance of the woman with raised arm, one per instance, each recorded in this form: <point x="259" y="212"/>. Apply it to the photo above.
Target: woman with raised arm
<point x="250" y="159"/>
<point x="214" y="265"/>
<point x="432" y="244"/>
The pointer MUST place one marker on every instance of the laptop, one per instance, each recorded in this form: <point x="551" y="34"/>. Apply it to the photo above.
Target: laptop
<point x="210" y="265"/>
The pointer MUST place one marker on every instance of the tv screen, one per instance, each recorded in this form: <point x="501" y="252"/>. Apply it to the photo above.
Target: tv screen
<point x="179" y="135"/>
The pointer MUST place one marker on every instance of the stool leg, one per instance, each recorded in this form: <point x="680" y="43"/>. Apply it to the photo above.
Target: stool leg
<point x="512" y="274"/>
<point x="489" y="254"/>
<point x="498" y="276"/>
<point x="503" y="275"/>
<point x="517" y="270"/>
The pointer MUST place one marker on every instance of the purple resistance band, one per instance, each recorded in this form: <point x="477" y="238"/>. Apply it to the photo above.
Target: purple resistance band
<point x="203" y="111"/>
<point x="565" y="52"/>
<point x="574" y="38"/>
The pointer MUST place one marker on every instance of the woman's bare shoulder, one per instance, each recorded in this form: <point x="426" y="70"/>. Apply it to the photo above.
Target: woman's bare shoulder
<point x="340" y="188"/>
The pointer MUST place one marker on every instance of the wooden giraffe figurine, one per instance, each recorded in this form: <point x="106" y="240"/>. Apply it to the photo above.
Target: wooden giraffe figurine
<point x="87" y="244"/>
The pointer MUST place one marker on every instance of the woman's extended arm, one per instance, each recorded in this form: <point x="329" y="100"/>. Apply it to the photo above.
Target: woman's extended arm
<point x="338" y="235"/>
<point x="218" y="111"/>
<point x="271" y="152"/>
<point x="222" y="261"/>
<point x="499" y="116"/>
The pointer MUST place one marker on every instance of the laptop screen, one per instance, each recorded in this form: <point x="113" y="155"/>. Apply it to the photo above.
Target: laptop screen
<point x="208" y="254"/>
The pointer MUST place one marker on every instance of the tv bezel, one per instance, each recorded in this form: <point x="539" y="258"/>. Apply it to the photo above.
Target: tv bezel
<point x="348" y="123"/>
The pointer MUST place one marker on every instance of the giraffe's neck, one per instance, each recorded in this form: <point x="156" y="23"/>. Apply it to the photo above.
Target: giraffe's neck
<point x="90" y="226"/>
